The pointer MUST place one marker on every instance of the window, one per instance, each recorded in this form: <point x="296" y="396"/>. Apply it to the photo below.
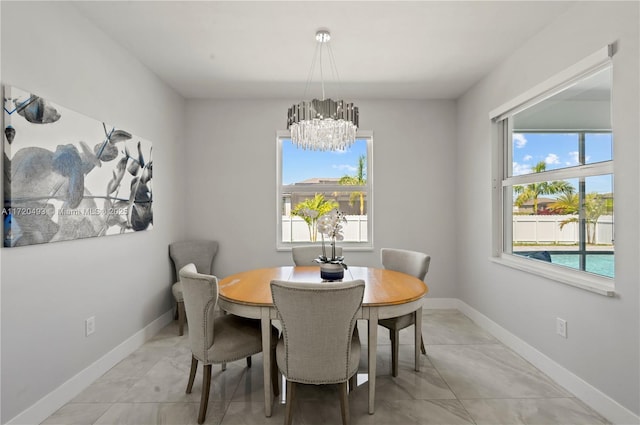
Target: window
<point x="554" y="180"/>
<point x="321" y="181"/>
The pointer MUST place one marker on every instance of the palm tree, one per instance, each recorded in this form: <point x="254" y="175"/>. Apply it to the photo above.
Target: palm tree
<point x="595" y="206"/>
<point x="567" y="203"/>
<point x="311" y="210"/>
<point x="359" y="179"/>
<point x="594" y="203"/>
<point x="533" y="190"/>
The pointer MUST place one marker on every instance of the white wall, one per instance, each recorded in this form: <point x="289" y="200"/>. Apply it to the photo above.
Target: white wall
<point x="48" y="290"/>
<point x="231" y="158"/>
<point x="602" y="347"/>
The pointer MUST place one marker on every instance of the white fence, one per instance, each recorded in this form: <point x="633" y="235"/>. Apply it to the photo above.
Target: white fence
<point x="295" y="229"/>
<point x="539" y="229"/>
<point x="545" y="229"/>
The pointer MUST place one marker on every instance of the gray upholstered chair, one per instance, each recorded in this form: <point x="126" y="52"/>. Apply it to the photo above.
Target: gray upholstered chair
<point x="216" y="338"/>
<point x="304" y="255"/>
<point x="198" y="252"/>
<point x="415" y="264"/>
<point x="318" y="344"/>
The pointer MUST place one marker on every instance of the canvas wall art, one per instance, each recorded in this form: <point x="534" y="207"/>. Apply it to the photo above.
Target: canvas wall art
<point x="68" y="176"/>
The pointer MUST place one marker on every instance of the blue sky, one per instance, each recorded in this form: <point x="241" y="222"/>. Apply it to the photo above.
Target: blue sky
<point x="560" y="150"/>
<point x="299" y="164"/>
<point x="557" y="150"/>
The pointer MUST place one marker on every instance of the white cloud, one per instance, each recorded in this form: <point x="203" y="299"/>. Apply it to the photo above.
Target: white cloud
<point x="527" y="158"/>
<point x="519" y="169"/>
<point x="575" y="159"/>
<point x="552" y="158"/>
<point x="519" y="140"/>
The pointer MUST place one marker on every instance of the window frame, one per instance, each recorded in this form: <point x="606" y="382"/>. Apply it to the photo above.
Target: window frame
<point x="368" y="189"/>
<point x="502" y="145"/>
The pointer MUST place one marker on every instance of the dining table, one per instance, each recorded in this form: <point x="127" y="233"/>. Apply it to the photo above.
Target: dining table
<point x="387" y="294"/>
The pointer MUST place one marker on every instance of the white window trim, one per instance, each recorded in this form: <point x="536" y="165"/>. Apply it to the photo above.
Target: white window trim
<point x="555" y="84"/>
<point x="595" y="169"/>
<point x="346" y="246"/>
<point x="576" y="278"/>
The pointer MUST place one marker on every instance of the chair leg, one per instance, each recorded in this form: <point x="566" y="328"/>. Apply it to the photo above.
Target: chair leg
<point x="288" y="411"/>
<point x="353" y="382"/>
<point x="424" y="351"/>
<point x="249" y="362"/>
<point x="275" y="378"/>
<point x="223" y="366"/>
<point x="395" y="345"/>
<point x="206" y="385"/>
<point x="181" y="317"/>
<point x="344" y="403"/>
<point x="192" y="374"/>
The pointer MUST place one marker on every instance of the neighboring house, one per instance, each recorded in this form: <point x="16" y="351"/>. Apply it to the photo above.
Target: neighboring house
<point x="343" y="199"/>
<point x="543" y="205"/>
<point x="318" y="180"/>
<point x="527" y="207"/>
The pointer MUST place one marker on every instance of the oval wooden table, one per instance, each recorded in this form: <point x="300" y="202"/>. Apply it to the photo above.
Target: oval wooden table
<point x="387" y="294"/>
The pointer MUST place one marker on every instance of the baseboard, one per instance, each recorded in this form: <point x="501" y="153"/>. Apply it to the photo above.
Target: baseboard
<point x="594" y="398"/>
<point x="440" y="303"/>
<point x="57" y="398"/>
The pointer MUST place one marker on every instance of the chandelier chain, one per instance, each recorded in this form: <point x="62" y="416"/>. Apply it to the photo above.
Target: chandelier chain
<point x="310" y="75"/>
<point x="321" y="73"/>
<point x="334" y="67"/>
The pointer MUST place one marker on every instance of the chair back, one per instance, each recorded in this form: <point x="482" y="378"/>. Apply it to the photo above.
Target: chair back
<point x="200" y="293"/>
<point x="318" y="320"/>
<point x="198" y="252"/>
<point x="413" y="263"/>
<point x="304" y="255"/>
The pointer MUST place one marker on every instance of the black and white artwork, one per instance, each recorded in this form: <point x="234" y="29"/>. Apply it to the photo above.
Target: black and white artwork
<point x="68" y="176"/>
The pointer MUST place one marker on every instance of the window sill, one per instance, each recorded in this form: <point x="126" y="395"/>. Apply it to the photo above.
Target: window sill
<point x="345" y="247"/>
<point x="589" y="282"/>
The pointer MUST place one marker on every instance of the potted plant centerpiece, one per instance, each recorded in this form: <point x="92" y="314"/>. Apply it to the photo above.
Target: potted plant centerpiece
<point x="330" y="225"/>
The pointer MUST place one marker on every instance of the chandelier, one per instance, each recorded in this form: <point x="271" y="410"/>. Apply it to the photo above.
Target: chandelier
<point x="327" y="124"/>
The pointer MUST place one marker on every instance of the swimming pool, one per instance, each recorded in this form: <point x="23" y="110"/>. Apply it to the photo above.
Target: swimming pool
<point x="601" y="264"/>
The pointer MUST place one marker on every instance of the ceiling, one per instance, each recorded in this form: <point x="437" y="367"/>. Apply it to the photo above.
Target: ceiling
<point x="264" y="49"/>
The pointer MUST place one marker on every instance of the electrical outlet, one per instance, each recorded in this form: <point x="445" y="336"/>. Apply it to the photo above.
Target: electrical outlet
<point x="90" y="325"/>
<point x="561" y="327"/>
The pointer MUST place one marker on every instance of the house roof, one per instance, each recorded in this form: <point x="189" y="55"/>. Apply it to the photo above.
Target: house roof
<point x="320" y="180"/>
<point x="541" y="201"/>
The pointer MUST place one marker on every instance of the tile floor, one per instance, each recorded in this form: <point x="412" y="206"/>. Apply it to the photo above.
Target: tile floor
<point x="468" y="377"/>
